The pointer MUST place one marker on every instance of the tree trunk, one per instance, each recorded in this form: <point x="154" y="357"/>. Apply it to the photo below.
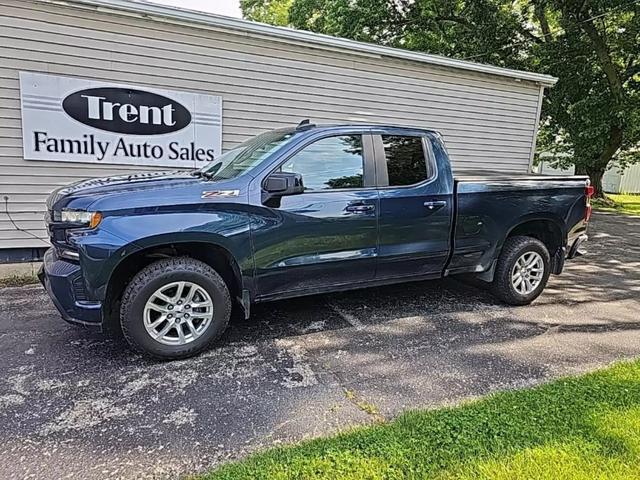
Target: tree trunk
<point x="616" y="86"/>
<point x="597" y="169"/>
<point x="595" y="175"/>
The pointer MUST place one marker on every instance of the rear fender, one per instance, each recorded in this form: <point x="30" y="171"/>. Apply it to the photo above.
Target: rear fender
<point x="532" y="217"/>
<point x="558" y="253"/>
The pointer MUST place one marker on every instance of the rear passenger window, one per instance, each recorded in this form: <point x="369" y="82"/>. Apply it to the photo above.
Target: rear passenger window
<point x="406" y="162"/>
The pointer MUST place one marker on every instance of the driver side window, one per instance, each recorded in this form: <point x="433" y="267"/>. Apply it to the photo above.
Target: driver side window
<point x="329" y="163"/>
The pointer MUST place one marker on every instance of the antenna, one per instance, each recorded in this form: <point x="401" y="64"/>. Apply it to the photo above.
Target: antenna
<point x="305" y="125"/>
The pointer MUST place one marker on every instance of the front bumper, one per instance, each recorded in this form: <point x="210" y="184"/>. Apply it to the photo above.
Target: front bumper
<point x="64" y="284"/>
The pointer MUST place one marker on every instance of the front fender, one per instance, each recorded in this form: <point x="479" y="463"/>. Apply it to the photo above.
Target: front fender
<point x="119" y="237"/>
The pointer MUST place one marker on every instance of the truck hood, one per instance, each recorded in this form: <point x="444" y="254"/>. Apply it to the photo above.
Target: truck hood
<point x="129" y="188"/>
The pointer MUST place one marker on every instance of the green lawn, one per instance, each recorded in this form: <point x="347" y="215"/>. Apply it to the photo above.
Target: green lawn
<point x="629" y="204"/>
<point x="585" y="427"/>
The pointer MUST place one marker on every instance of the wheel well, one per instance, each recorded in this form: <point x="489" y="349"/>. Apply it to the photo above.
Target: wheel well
<point x="217" y="257"/>
<point x="544" y="230"/>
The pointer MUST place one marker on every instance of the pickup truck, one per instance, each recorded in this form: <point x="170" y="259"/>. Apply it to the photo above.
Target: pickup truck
<point x="164" y="256"/>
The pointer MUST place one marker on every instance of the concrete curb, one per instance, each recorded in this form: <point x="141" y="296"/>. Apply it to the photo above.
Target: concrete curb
<point x="28" y="269"/>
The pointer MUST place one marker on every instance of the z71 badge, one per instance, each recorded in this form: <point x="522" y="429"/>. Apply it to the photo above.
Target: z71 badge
<point x="220" y="193"/>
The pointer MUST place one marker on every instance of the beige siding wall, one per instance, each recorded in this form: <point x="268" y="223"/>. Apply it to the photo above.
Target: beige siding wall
<point x="630" y="182"/>
<point x="489" y="122"/>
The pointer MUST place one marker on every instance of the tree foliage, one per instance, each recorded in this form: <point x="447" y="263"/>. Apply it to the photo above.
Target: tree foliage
<point x="274" y="12"/>
<point x="592" y="115"/>
<point x="591" y="118"/>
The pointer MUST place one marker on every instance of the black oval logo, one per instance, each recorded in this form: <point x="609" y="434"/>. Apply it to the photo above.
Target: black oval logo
<point x="126" y="110"/>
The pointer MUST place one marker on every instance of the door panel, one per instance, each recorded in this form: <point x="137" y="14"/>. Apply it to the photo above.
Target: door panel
<point x="414" y="220"/>
<point x="315" y="240"/>
<point x="327" y="235"/>
<point x="414" y="231"/>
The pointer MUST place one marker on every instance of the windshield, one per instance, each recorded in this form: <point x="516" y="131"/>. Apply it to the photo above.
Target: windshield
<point x="247" y="155"/>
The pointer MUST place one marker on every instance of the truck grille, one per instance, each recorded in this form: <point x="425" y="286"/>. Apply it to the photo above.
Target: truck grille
<point x="55" y="229"/>
<point x="79" y="290"/>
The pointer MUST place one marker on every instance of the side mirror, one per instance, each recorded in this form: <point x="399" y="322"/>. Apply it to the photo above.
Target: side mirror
<point x="280" y="184"/>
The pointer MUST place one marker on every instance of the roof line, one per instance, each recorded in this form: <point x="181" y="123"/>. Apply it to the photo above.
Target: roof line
<point x="149" y="10"/>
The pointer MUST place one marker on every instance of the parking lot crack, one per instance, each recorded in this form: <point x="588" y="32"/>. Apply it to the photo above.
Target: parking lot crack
<point x="364" y="405"/>
<point x="347" y="317"/>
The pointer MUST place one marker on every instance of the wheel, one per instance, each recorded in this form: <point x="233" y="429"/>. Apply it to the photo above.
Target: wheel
<point x="522" y="271"/>
<point x="175" y="308"/>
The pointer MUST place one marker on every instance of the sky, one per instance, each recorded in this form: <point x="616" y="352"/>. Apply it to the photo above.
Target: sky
<point x="230" y="8"/>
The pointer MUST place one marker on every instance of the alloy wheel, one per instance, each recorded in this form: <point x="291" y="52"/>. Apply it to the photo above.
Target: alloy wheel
<point x="527" y="273"/>
<point x="178" y="313"/>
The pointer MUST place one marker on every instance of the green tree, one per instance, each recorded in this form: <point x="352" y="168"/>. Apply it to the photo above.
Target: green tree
<point x="591" y="118"/>
<point x="592" y="115"/>
<point x="274" y="12"/>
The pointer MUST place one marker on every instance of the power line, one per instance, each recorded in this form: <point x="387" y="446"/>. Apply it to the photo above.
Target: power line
<point x="595" y="17"/>
<point x="6" y="211"/>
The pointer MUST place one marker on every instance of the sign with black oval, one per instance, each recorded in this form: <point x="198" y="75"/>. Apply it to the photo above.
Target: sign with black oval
<point x="127" y="111"/>
<point x="67" y="119"/>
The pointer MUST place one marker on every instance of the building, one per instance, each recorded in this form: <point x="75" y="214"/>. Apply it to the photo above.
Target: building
<point x="613" y="181"/>
<point x="236" y="79"/>
<point x="627" y="181"/>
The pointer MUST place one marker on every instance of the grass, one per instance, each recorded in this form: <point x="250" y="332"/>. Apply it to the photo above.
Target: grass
<point x="366" y="407"/>
<point x="585" y="427"/>
<point x="627" y="204"/>
<point x="18" y="280"/>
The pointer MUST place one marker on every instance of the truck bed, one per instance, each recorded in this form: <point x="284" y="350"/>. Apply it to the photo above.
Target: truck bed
<point x="488" y="205"/>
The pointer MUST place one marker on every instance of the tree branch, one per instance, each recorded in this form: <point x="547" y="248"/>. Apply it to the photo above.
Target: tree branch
<point x="529" y="34"/>
<point x="615" y="141"/>
<point x="631" y="70"/>
<point x="541" y="15"/>
<point x="579" y="9"/>
<point x="609" y="68"/>
<point x="454" y="19"/>
<point x="631" y="66"/>
<point x="438" y="19"/>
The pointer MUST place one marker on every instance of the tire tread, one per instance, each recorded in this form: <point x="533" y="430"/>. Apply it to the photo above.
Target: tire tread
<point x="154" y="270"/>
<point x="501" y="285"/>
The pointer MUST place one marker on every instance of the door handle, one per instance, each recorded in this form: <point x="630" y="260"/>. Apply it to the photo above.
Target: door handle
<point x="435" y="205"/>
<point x="360" y="208"/>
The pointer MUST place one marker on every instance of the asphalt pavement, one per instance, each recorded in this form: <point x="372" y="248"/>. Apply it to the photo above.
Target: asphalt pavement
<point x="77" y="404"/>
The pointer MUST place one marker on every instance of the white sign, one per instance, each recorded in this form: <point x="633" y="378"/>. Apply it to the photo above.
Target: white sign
<point x="68" y="119"/>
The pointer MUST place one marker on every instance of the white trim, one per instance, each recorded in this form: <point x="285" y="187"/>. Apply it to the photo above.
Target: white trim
<point x="161" y="13"/>
<point x="534" y="140"/>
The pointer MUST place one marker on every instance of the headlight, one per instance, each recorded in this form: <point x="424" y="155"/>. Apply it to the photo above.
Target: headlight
<point x="79" y="217"/>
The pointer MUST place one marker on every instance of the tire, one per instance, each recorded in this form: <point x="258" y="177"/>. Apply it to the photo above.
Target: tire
<point x="513" y="290"/>
<point x="204" y="325"/>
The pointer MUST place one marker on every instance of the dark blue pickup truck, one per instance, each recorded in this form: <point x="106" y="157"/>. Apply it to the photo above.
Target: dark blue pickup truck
<point x="292" y="212"/>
